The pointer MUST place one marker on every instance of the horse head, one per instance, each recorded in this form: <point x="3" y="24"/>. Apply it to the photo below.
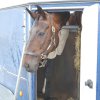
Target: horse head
<point x="43" y="37"/>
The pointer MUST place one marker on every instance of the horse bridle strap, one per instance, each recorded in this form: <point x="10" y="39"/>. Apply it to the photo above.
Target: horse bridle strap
<point x="53" y="31"/>
<point x="52" y="38"/>
<point x="31" y="53"/>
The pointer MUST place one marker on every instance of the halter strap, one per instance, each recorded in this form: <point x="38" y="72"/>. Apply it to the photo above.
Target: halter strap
<point x="53" y="34"/>
<point x="31" y="53"/>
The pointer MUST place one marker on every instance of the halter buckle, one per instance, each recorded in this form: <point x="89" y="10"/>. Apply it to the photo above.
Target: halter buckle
<point x="53" y="29"/>
<point x="43" y="63"/>
<point x="43" y="56"/>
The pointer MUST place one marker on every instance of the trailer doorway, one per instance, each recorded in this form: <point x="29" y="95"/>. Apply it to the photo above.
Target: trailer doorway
<point x="60" y="79"/>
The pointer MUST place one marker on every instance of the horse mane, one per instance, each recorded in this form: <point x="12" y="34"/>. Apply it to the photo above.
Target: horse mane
<point x="75" y="18"/>
<point x="64" y="17"/>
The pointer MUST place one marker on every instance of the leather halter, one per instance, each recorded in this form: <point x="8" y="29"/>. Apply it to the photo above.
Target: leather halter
<point x="43" y="55"/>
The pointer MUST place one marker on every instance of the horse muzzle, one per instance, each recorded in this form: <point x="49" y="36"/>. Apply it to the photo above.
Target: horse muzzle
<point x="30" y="64"/>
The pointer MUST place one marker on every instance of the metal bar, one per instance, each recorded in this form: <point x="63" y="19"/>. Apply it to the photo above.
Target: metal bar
<point x="70" y="27"/>
<point x="59" y="9"/>
<point x="64" y="1"/>
<point x="98" y="59"/>
<point x="29" y="74"/>
<point x="9" y="5"/>
<point x="32" y="77"/>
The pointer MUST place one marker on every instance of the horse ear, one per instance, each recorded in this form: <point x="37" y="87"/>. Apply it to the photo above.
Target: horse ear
<point x="41" y="11"/>
<point x="32" y="14"/>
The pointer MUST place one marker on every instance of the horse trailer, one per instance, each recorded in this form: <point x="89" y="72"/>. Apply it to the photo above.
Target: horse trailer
<point x="18" y="84"/>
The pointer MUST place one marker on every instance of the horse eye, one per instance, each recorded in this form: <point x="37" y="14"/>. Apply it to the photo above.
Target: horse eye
<point x="41" y="33"/>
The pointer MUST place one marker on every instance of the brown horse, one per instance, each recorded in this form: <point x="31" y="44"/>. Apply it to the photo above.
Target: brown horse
<point x="43" y="37"/>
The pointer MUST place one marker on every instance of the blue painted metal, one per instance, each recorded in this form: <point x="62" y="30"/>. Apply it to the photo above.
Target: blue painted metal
<point x="98" y="60"/>
<point x="64" y="5"/>
<point x="11" y="44"/>
<point x="31" y="76"/>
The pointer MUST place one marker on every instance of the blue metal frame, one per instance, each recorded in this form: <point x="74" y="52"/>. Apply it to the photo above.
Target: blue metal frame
<point x="63" y="6"/>
<point x="98" y="60"/>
